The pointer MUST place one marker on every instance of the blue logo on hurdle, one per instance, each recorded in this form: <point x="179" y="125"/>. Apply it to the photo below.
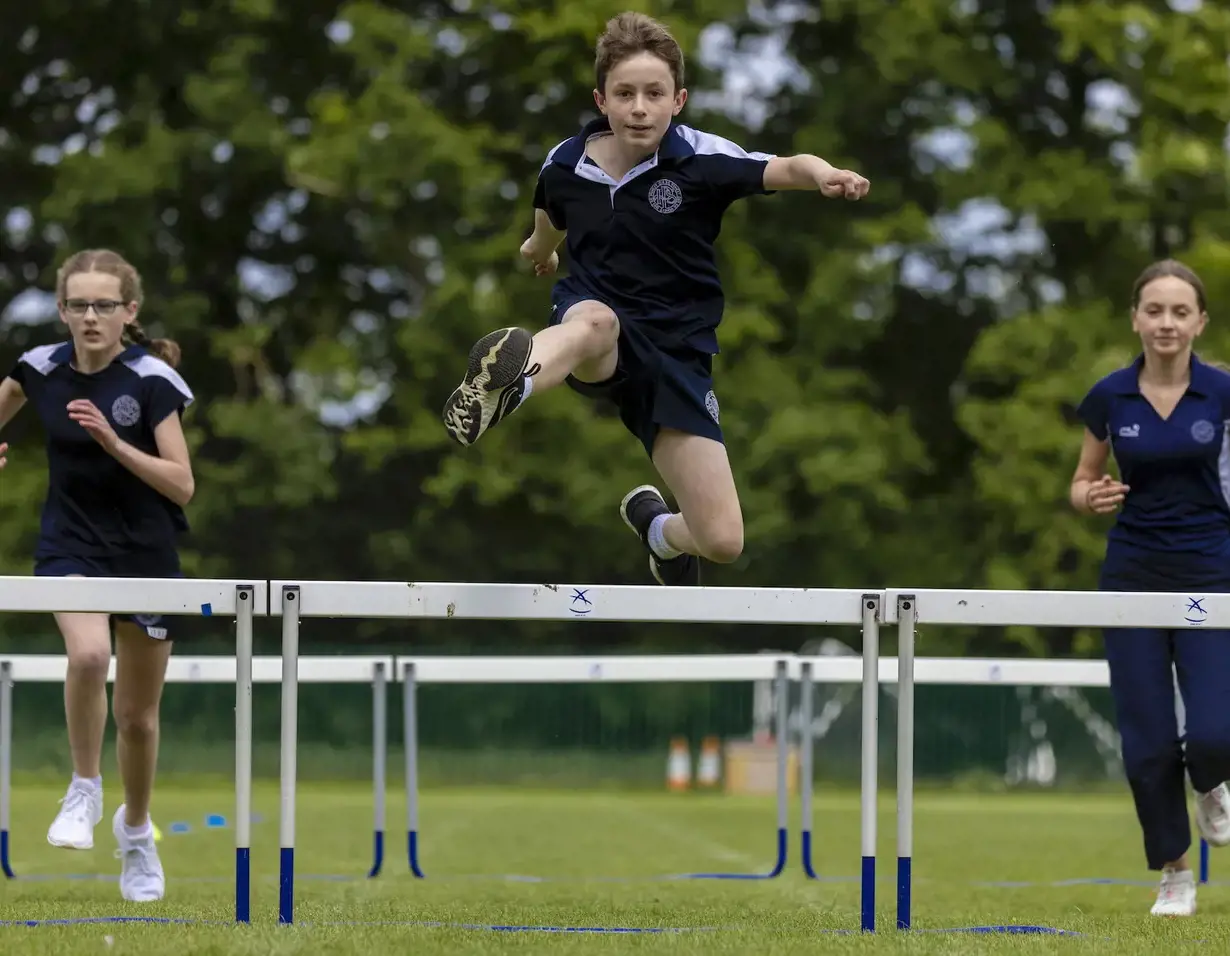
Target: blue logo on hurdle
<point x="580" y="603"/>
<point x="1196" y="614"/>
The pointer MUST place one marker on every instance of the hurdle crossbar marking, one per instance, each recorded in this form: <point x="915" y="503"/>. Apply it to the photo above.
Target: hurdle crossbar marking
<point x="580" y="602"/>
<point x="1066" y="608"/>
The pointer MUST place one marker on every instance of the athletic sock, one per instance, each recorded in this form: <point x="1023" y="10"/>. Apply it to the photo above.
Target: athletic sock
<point x="657" y="540"/>
<point x="144" y="831"/>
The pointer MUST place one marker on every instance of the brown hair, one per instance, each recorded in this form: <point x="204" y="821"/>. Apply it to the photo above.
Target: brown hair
<point x="629" y="34"/>
<point x="112" y="263"/>
<point x="1169" y="267"/>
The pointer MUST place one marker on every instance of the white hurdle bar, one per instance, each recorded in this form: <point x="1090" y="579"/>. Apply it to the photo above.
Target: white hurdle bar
<point x="662" y="668"/>
<point x="293" y="600"/>
<point x="908" y="608"/>
<point x="53" y="668"/>
<point x="241" y="600"/>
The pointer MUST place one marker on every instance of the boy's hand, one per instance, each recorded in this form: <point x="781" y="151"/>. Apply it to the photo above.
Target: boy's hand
<point x="842" y="183"/>
<point x="543" y="264"/>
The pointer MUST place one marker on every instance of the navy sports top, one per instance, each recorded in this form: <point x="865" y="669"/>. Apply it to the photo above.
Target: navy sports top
<point x="1178" y="468"/>
<point x="95" y="507"/>
<point x="644" y="245"/>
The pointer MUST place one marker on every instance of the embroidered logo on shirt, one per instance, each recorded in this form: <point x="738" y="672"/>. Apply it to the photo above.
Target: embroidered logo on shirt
<point x="1203" y="431"/>
<point x="711" y="405"/>
<point x="1129" y="431"/>
<point x="665" y="196"/>
<point x="126" y="411"/>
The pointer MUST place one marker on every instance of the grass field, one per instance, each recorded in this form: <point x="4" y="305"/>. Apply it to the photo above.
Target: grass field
<point x="597" y="857"/>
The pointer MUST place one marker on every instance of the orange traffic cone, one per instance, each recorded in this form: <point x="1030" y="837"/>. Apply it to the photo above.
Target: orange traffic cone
<point x="679" y="765"/>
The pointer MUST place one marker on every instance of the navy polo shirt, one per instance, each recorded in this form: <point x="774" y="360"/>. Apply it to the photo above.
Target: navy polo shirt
<point x="1178" y="468"/>
<point x="95" y="507"/>
<point x="644" y="245"/>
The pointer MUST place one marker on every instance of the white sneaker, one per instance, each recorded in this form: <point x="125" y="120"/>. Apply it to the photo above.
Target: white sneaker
<point x="1176" y="894"/>
<point x="141" y="879"/>
<point x="1213" y="815"/>
<point x="80" y="811"/>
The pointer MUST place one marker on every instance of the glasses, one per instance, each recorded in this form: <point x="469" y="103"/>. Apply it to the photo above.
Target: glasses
<point x="102" y="307"/>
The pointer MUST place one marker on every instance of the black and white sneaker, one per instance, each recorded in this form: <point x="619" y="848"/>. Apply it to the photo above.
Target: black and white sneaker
<point x="493" y="385"/>
<point x="638" y="509"/>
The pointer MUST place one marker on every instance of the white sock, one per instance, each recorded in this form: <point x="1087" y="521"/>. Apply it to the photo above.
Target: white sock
<point x="95" y="782"/>
<point x="139" y="833"/>
<point x="527" y="386"/>
<point x="657" y="540"/>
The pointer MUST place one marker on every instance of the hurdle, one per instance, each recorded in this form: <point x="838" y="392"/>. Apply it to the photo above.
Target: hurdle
<point x="293" y="600"/>
<point x="241" y="600"/>
<point x="908" y="608"/>
<point x="697" y="668"/>
<point x="376" y="670"/>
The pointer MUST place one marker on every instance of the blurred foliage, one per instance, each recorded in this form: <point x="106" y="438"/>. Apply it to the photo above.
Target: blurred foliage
<point x="326" y="201"/>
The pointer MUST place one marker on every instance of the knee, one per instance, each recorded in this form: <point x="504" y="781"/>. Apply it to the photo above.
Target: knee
<point x="1150" y="760"/>
<point x="722" y="544"/>
<point x="135" y="722"/>
<point x="601" y="326"/>
<point x="1210" y="747"/>
<point x="89" y="664"/>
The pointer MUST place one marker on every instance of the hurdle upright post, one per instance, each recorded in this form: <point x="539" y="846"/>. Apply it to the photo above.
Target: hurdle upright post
<point x="6" y="765"/>
<point x="245" y="600"/>
<point x="906" y="618"/>
<point x="380" y="738"/>
<point x="869" y="783"/>
<point x="410" y="749"/>
<point x="289" y="748"/>
<point x="807" y="747"/>
<point x="781" y="685"/>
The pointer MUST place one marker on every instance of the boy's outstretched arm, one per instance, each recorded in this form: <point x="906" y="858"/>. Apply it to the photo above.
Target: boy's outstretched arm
<point x="540" y="247"/>
<point x="805" y="171"/>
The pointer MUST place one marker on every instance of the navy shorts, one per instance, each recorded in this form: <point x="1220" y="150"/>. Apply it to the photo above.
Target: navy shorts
<point x="127" y="566"/>
<point x="657" y="384"/>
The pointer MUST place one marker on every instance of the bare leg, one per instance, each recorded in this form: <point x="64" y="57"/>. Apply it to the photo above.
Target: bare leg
<point x="584" y="345"/>
<point x="141" y="666"/>
<point x="87" y="644"/>
<point x="697" y="471"/>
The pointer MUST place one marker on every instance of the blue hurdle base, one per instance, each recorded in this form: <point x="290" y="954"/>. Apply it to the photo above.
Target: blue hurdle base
<point x="286" y="886"/>
<point x="904" y="872"/>
<point x="808" y="869"/>
<point x="377" y="854"/>
<point x="243" y="885"/>
<point x="5" y="866"/>
<point x="412" y="851"/>
<point x="867" y="921"/>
